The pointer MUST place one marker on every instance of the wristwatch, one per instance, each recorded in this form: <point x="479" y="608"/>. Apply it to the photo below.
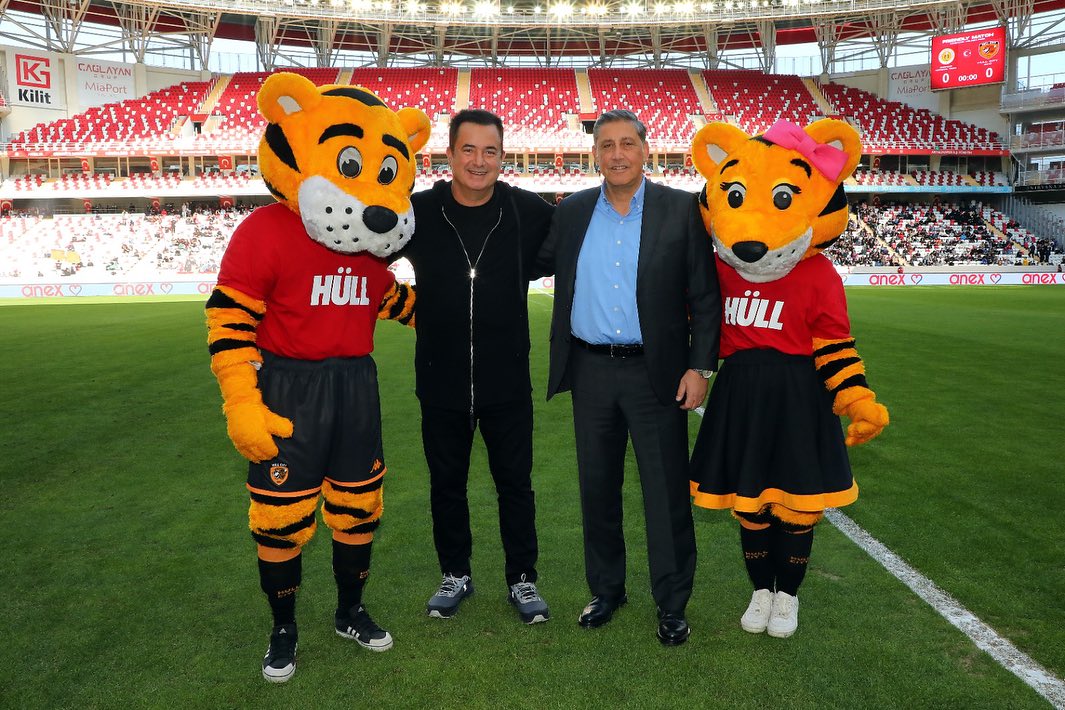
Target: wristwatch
<point x="705" y="374"/>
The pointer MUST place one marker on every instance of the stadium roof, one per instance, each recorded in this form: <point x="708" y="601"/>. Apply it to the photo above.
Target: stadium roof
<point x="499" y="29"/>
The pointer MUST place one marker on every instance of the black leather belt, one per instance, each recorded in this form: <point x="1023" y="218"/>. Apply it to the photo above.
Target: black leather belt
<point x="611" y="350"/>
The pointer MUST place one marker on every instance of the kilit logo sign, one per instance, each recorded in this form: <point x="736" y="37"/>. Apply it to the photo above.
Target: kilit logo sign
<point x="34" y="72"/>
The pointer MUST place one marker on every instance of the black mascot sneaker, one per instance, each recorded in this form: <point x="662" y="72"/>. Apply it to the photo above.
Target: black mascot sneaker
<point x="359" y="627"/>
<point x="279" y="663"/>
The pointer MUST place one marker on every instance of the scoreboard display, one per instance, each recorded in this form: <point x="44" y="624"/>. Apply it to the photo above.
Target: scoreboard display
<point x="969" y="59"/>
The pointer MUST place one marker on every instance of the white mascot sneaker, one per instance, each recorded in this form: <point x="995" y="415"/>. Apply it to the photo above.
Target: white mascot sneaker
<point x="785" y="617"/>
<point x="755" y="619"/>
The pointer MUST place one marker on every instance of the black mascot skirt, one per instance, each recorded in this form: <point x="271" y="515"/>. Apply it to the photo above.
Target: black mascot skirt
<point x="769" y="436"/>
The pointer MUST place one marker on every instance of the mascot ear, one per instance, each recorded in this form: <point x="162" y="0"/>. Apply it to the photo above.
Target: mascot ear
<point x="838" y="134"/>
<point x="284" y="94"/>
<point x="712" y="143"/>
<point x="417" y="125"/>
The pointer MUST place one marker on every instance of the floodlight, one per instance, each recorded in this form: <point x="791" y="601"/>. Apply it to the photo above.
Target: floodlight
<point x="562" y="9"/>
<point x="633" y="9"/>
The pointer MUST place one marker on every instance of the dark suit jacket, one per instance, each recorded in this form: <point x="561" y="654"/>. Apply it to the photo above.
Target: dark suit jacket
<point x="675" y="279"/>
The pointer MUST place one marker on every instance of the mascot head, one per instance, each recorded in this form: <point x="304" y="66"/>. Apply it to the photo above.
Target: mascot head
<point x="772" y="200"/>
<point x="342" y="160"/>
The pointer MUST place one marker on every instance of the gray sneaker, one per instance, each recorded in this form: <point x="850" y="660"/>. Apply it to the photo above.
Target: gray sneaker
<point x="530" y="605"/>
<point x="445" y="603"/>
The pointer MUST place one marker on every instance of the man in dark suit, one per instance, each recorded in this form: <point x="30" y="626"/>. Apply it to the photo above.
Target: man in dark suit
<point x="634" y="335"/>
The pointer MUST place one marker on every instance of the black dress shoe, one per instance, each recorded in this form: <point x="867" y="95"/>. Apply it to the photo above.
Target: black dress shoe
<point x="673" y="628"/>
<point x="600" y="610"/>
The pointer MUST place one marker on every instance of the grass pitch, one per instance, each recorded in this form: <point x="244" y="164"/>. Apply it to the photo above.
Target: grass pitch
<point x="130" y="577"/>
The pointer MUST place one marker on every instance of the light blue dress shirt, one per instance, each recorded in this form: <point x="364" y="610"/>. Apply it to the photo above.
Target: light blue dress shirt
<point x="604" y="297"/>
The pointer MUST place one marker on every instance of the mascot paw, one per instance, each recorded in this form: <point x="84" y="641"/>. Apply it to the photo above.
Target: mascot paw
<point x="252" y="428"/>
<point x="868" y="419"/>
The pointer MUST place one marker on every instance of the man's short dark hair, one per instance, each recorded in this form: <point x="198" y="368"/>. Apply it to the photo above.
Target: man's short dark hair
<point x="620" y="114"/>
<point x="473" y="115"/>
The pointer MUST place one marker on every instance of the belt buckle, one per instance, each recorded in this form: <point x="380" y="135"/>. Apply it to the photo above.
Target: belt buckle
<point x="618" y="351"/>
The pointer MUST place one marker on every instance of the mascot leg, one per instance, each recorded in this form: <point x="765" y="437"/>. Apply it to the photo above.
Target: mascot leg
<point x="756" y="540"/>
<point x="281" y="526"/>
<point x="776" y="544"/>
<point x="793" y="538"/>
<point x="353" y="512"/>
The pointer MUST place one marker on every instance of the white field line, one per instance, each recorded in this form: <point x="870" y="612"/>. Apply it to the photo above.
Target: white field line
<point x="987" y="639"/>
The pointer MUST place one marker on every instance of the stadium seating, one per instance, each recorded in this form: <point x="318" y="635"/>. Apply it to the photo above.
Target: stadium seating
<point x="951" y="234"/>
<point x="988" y="178"/>
<point x="876" y="177"/>
<point x="891" y="125"/>
<point x="147" y="182"/>
<point x="938" y="178"/>
<point x="755" y="101"/>
<point x="237" y="105"/>
<point x="531" y="103"/>
<point x="664" y="99"/>
<point x="431" y="90"/>
<point x="115" y="246"/>
<point x="144" y="122"/>
<point x="82" y="181"/>
<point x="860" y="246"/>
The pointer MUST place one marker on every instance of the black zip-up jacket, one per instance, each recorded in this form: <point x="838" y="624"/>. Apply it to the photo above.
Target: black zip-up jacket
<point x="499" y="357"/>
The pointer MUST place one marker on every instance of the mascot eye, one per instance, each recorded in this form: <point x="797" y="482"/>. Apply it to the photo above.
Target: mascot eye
<point x="736" y="193"/>
<point x="389" y="168"/>
<point x="349" y="162"/>
<point x="782" y="195"/>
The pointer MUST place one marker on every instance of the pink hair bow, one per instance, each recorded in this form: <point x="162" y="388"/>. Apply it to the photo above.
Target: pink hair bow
<point x="828" y="159"/>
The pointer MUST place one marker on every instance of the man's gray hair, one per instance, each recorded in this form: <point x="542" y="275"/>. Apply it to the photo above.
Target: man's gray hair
<point x="620" y="114"/>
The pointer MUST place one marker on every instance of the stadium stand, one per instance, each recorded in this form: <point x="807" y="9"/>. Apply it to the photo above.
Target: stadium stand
<point x="132" y="245"/>
<point x="135" y="123"/>
<point x="755" y="101"/>
<point x="532" y="104"/>
<point x="664" y="99"/>
<point x="890" y="125"/>
<point x="951" y="234"/>
<point x="938" y="178"/>
<point x="860" y="246"/>
<point x="876" y="177"/>
<point x="431" y="90"/>
<point x="110" y="246"/>
<point x="989" y="178"/>
<point x="237" y="109"/>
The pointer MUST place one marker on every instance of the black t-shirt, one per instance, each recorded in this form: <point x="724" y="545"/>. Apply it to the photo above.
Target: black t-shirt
<point x="474" y="224"/>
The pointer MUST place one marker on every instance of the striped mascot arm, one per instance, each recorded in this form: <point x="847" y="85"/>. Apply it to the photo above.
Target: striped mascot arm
<point x="232" y="321"/>
<point x="843" y="372"/>
<point x="398" y="304"/>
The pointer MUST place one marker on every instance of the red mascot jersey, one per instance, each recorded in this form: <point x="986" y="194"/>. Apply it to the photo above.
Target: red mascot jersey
<point x="786" y="314"/>
<point x="319" y="303"/>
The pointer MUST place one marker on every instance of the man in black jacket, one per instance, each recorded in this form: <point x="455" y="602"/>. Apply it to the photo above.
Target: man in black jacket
<point x="474" y="253"/>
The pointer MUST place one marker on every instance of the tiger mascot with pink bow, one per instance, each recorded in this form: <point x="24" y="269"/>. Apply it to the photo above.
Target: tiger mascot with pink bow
<point x="771" y="447"/>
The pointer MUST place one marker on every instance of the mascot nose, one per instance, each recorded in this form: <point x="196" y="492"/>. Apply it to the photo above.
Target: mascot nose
<point x="380" y="219"/>
<point x="749" y="251"/>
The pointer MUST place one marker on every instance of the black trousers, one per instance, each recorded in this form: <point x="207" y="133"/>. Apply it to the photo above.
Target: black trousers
<point x="447" y="438"/>
<point x="613" y="400"/>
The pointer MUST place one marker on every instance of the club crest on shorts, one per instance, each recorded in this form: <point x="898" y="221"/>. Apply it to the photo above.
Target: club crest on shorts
<point x="278" y="473"/>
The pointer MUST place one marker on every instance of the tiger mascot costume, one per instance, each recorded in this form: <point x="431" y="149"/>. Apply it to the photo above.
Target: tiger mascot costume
<point x="771" y="446"/>
<point x="291" y="325"/>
